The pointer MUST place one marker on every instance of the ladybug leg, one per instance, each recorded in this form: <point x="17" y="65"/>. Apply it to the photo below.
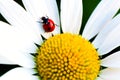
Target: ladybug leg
<point x="56" y="25"/>
<point x="52" y="34"/>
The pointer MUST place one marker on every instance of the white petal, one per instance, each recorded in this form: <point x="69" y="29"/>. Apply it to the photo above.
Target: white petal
<point x="18" y="17"/>
<point x="110" y="74"/>
<point x="112" y="41"/>
<point x="24" y="41"/>
<point x="47" y="35"/>
<point x="105" y="31"/>
<point x="71" y="15"/>
<point x="34" y="8"/>
<point x="52" y="11"/>
<point x="13" y="39"/>
<point x="19" y="58"/>
<point x="39" y="8"/>
<point x="112" y="61"/>
<point x="99" y="78"/>
<point x="19" y="74"/>
<point x="8" y="37"/>
<point x="103" y="13"/>
<point x="12" y="46"/>
<point x="3" y="60"/>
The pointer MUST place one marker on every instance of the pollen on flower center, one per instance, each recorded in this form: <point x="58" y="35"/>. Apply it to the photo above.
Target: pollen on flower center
<point x="67" y="57"/>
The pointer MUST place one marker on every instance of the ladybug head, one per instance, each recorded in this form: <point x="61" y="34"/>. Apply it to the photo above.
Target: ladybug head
<point x="44" y="19"/>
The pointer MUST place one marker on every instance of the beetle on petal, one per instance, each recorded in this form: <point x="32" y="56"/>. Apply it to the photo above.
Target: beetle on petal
<point x="48" y="24"/>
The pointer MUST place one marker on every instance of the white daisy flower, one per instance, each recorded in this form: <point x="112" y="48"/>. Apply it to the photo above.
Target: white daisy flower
<point x="63" y="56"/>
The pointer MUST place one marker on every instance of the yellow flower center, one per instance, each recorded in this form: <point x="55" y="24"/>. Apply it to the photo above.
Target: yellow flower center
<point x="67" y="57"/>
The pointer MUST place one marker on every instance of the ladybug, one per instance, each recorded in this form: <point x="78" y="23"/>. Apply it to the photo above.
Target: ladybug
<point x="48" y="24"/>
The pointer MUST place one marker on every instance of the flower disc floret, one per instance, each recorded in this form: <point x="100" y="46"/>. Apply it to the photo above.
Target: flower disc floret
<point x="67" y="57"/>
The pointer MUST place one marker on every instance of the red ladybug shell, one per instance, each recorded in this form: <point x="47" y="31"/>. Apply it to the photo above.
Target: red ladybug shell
<point x="49" y="26"/>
